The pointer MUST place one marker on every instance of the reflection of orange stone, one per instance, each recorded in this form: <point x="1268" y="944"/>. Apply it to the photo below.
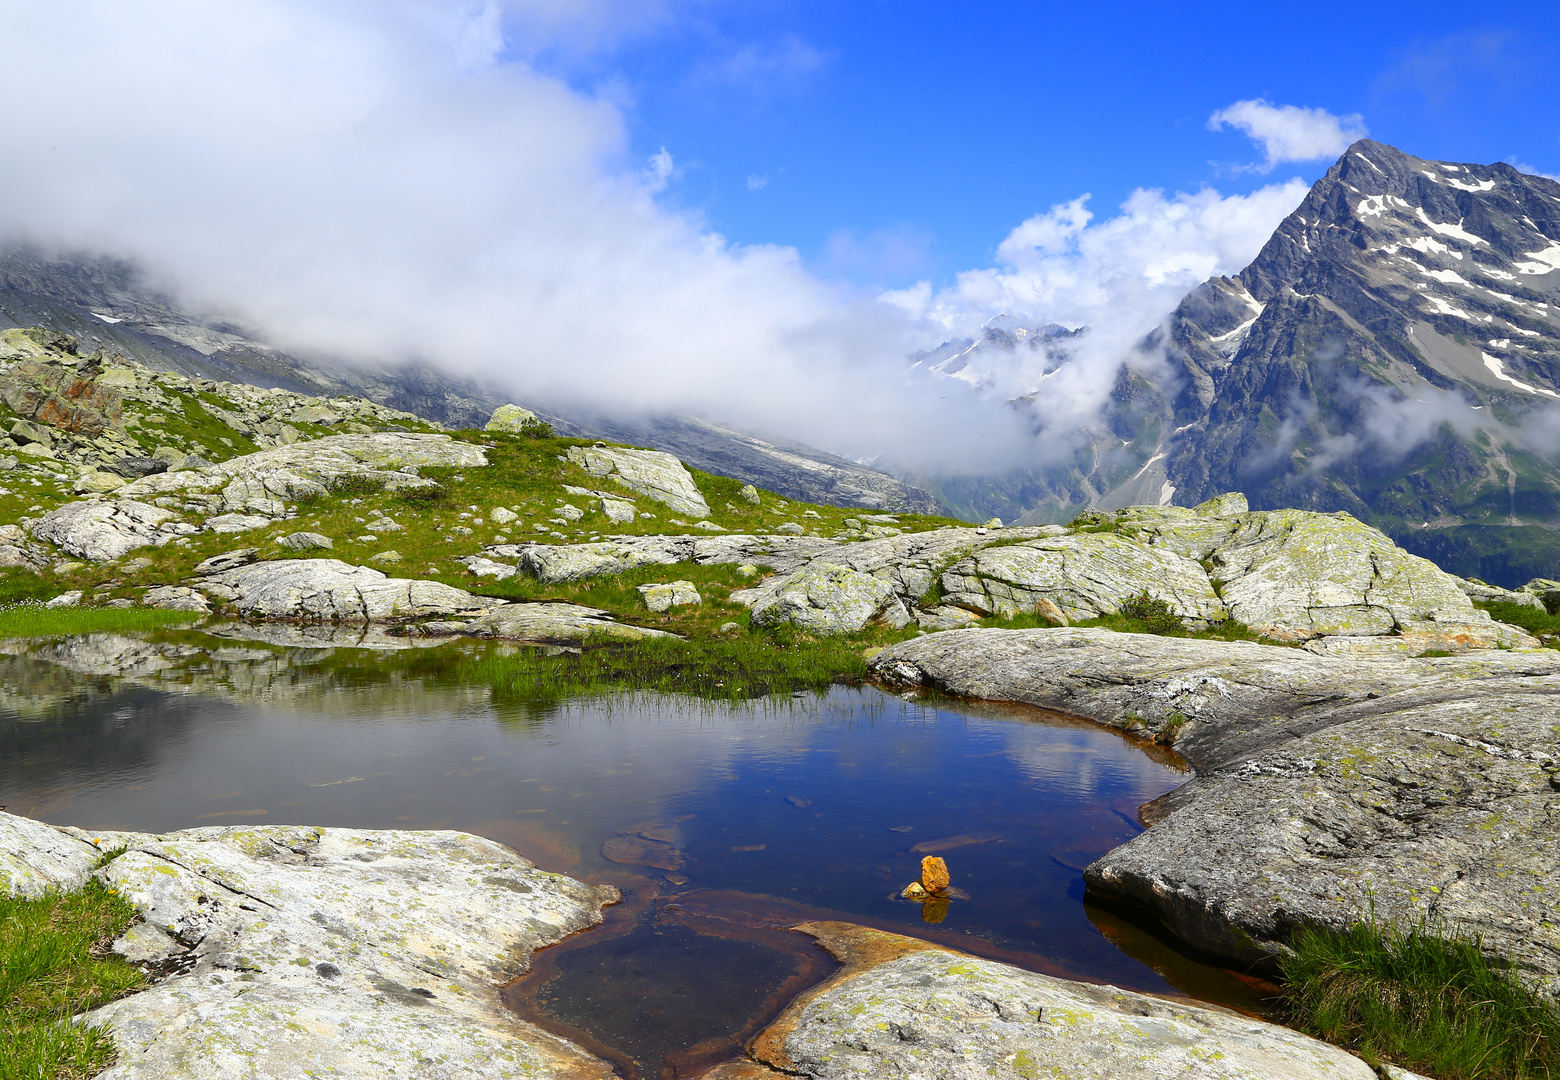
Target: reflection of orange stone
<point x="934" y="909"/>
<point x="934" y="874"/>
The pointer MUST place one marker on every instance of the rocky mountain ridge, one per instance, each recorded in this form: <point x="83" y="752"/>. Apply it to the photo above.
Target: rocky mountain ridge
<point x="1393" y="351"/>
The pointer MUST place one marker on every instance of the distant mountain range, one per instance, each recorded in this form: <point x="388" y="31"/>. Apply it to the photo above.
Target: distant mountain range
<point x="1393" y="351"/>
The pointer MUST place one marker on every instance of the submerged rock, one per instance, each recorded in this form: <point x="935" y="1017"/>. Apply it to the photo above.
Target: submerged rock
<point x="1329" y="789"/>
<point x="903" y="1007"/>
<point x="314" y="951"/>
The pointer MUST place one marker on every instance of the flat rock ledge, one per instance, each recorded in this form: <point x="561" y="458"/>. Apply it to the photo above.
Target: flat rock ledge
<point x="905" y="1008"/>
<point x="1327" y="787"/>
<point x="291" y="951"/>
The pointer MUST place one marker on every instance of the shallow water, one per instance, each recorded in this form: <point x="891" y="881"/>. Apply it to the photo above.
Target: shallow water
<point x="722" y="825"/>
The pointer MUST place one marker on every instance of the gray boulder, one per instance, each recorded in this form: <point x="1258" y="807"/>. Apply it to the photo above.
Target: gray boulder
<point x="569" y="624"/>
<point x="664" y="596"/>
<point x="311" y="951"/>
<point x="651" y="473"/>
<point x="329" y="590"/>
<point x="235" y="523"/>
<point x="306" y="541"/>
<point x="1086" y="575"/>
<point x="175" y="598"/>
<point x="1328" y="788"/>
<point x="826" y="598"/>
<point x="906" y="1008"/>
<point x="103" y="531"/>
<point x="264" y="482"/>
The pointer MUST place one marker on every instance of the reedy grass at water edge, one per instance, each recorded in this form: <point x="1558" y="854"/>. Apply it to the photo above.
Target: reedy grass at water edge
<point x="714" y="669"/>
<point x="37" y="621"/>
<point x="1425" y="1002"/>
<point x="54" y="965"/>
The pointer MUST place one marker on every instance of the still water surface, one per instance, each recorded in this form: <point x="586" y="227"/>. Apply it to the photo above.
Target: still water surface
<point x="721" y="824"/>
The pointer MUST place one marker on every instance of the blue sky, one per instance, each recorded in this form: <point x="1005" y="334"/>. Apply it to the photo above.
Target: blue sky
<point x="914" y="135"/>
<point x="481" y="184"/>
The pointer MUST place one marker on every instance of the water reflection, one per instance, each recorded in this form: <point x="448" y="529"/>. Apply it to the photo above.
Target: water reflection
<point x="823" y="805"/>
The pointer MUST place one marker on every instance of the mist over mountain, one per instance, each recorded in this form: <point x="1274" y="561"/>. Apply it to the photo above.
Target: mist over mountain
<point x="1392" y="352"/>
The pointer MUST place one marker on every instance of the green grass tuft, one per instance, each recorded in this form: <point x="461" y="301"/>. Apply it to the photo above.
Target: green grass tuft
<point x="36" y="621"/>
<point x="1428" y="1003"/>
<point x="54" y="965"/>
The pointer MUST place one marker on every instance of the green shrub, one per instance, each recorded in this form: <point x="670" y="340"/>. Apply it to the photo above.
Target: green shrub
<point x="53" y="966"/>
<point x="1428" y="1003"/>
<point x="1157" y="616"/>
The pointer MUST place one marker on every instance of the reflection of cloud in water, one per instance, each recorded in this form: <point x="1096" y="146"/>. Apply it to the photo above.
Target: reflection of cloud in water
<point x="1076" y="761"/>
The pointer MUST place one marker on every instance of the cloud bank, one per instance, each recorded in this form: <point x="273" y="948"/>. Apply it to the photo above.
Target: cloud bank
<point x="389" y="179"/>
<point x="1289" y="132"/>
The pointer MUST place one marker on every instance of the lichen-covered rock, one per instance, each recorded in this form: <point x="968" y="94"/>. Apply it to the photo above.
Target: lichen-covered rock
<point x="902" y="1007"/>
<point x="651" y="473"/>
<point x="1293" y="575"/>
<point x="36" y="858"/>
<point x="1086" y="575"/>
<point x="329" y="590"/>
<point x="309" y="951"/>
<point x="265" y="481"/>
<point x="564" y="624"/>
<point x="103" y="531"/>
<point x="1329" y="788"/>
<point x="664" y="596"/>
<point x="510" y="419"/>
<point x="1230" y="504"/>
<point x="826" y="598"/>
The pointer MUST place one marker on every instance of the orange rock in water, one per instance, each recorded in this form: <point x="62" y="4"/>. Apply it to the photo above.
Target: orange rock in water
<point x="934" y="874"/>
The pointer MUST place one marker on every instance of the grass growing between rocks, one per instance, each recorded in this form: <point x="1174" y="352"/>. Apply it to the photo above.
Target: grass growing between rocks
<point x="54" y="965"/>
<point x="34" y="621"/>
<point x="1536" y="621"/>
<point x="712" y="669"/>
<point x="1431" y="1004"/>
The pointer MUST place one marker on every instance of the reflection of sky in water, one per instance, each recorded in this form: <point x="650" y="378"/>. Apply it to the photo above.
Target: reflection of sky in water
<point x="824" y="796"/>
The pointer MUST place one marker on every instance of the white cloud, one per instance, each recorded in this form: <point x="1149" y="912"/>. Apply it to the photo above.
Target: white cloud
<point x="757" y="183"/>
<point x="784" y="67"/>
<point x="1120" y="277"/>
<point x="1522" y="166"/>
<point x="384" y="179"/>
<point x="1289" y="132"/>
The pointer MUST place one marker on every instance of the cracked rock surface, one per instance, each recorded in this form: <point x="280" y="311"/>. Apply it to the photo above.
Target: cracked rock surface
<point x="1327" y="787"/>
<point x="905" y="1008"/>
<point x="303" y="951"/>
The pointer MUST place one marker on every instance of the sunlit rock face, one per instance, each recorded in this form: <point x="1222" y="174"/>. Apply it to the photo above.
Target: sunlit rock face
<point x="356" y="952"/>
<point x="1329" y="789"/>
